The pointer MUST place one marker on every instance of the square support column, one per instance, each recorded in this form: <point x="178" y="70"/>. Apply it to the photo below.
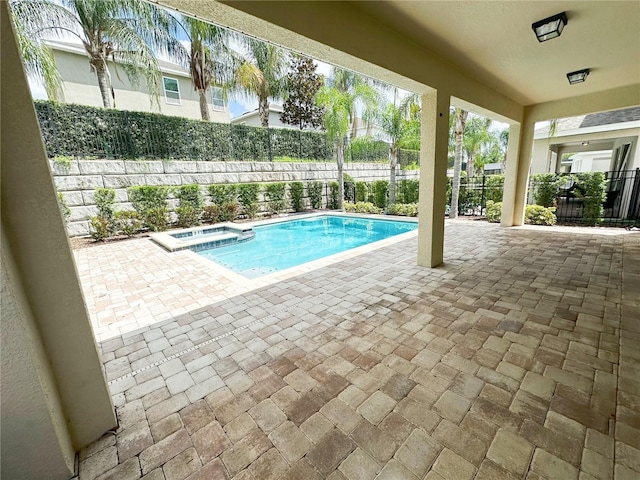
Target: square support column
<point x="514" y="197"/>
<point x="433" y="177"/>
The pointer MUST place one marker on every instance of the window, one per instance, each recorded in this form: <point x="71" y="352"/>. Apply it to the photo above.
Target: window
<point x="171" y="90"/>
<point x="217" y="98"/>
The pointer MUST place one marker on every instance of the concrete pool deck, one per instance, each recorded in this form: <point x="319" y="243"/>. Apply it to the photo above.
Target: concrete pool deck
<point x="519" y="358"/>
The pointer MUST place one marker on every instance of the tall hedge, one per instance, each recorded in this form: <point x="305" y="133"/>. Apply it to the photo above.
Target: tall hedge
<point x="80" y="130"/>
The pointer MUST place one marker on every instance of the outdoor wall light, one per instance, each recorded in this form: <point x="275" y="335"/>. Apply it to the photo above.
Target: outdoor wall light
<point x="578" y="76"/>
<point x="550" y="27"/>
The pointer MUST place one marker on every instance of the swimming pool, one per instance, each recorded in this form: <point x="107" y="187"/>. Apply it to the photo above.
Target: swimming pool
<point x="290" y="243"/>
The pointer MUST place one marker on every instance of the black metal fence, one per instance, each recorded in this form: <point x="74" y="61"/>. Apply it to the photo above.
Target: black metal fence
<point x="475" y="192"/>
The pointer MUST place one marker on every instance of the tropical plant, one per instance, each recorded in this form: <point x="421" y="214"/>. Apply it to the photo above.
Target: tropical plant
<point x="476" y="137"/>
<point x="208" y="58"/>
<point x="302" y="84"/>
<point x="339" y="102"/>
<point x="261" y="74"/>
<point x="459" y="123"/>
<point x="126" y="32"/>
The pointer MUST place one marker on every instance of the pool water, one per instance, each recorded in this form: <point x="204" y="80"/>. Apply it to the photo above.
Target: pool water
<point x="288" y="244"/>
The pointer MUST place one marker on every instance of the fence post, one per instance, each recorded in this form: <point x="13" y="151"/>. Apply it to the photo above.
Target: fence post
<point x="483" y="197"/>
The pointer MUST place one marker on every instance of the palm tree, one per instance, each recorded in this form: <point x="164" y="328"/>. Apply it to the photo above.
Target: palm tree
<point x="399" y="124"/>
<point x="476" y="136"/>
<point x="127" y="32"/>
<point x="459" y="123"/>
<point x="207" y="57"/>
<point x="362" y="90"/>
<point x="38" y="59"/>
<point x="263" y="74"/>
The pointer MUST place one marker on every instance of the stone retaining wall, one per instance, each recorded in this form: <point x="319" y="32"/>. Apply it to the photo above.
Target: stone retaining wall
<point x="78" y="180"/>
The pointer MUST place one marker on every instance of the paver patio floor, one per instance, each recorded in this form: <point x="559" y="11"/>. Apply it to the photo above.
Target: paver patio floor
<point x="519" y="358"/>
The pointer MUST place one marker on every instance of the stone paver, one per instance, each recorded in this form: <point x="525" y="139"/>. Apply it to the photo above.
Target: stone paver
<point x="519" y="358"/>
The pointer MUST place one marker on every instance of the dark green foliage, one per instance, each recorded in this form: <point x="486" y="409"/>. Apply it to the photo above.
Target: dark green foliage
<point x="190" y="203"/>
<point x="104" y="199"/>
<point x="494" y="211"/>
<point x="590" y="188"/>
<point x="380" y="189"/>
<point x="403" y="209"/>
<point x="302" y="84"/>
<point x="248" y="198"/>
<point x="296" y="193"/>
<point x="334" y="193"/>
<point x="128" y="222"/>
<point x="223" y="193"/>
<point x="275" y="194"/>
<point x="350" y="191"/>
<point x="362" y="191"/>
<point x="546" y="189"/>
<point x="84" y="131"/>
<point x="493" y="187"/>
<point x="366" y="149"/>
<point x="314" y="189"/>
<point x="224" y="212"/>
<point x="151" y="204"/>
<point x="407" y="191"/>
<point x="409" y="159"/>
<point x="539" y="215"/>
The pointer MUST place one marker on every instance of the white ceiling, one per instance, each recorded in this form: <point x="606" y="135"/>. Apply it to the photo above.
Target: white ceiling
<point x="493" y="41"/>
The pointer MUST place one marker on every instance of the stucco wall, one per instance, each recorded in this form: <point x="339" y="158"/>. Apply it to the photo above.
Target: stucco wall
<point x="78" y="181"/>
<point x="81" y="86"/>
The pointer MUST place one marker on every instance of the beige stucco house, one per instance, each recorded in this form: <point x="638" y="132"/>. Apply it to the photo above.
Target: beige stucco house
<point x="481" y="56"/>
<point x="177" y="94"/>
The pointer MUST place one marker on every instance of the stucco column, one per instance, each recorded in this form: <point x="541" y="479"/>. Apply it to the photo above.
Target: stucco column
<point x="433" y="177"/>
<point x="516" y="179"/>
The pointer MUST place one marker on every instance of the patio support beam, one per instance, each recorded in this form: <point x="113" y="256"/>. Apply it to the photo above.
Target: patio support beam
<point x="433" y="177"/>
<point x="517" y="174"/>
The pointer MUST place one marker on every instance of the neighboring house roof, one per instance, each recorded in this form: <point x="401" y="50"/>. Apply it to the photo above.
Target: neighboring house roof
<point x="594" y="122"/>
<point x="165" y="66"/>
<point x="273" y="108"/>
<point x="614" y="116"/>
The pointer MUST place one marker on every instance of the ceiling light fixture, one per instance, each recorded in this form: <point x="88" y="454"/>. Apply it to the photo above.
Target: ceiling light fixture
<point x="578" y="76"/>
<point x="550" y="27"/>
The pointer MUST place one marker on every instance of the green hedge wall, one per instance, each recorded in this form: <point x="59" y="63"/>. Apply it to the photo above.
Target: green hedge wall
<point x="79" y="130"/>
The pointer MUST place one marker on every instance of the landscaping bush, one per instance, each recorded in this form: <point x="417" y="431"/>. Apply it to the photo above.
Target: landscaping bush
<point x="151" y="204"/>
<point x="223" y="193"/>
<point x="128" y="222"/>
<point x="100" y="228"/>
<point x="590" y="188"/>
<point x="188" y="216"/>
<point x="64" y="208"/>
<point x="314" y="189"/>
<point x="493" y="188"/>
<point x="539" y="215"/>
<point x="296" y="193"/>
<point x="104" y="199"/>
<point x="190" y="203"/>
<point x="403" y="209"/>
<point x="407" y="191"/>
<point x="494" y="211"/>
<point x="361" y="207"/>
<point x="228" y="211"/>
<point x="275" y="194"/>
<point x="211" y="213"/>
<point x="547" y="187"/>
<point x="380" y="189"/>
<point x="362" y="191"/>
<point x="366" y="149"/>
<point x="248" y="198"/>
<point x="334" y="194"/>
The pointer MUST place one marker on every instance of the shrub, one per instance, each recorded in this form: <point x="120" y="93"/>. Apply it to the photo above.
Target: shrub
<point x="64" y="208"/>
<point x="104" y="199"/>
<point x="349" y="191"/>
<point x="223" y="193"/>
<point x="494" y="211"/>
<point x="590" y="188"/>
<point x="493" y="188"/>
<point x="547" y="187"/>
<point x="296" y="193"/>
<point x="314" y="189"/>
<point x="228" y="211"/>
<point x="362" y="190"/>
<point x="275" y="194"/>
<point x="539" y="215"/>
<point x="211" y="214"/>
<point x="403" y="209"/>
<point x="151" y="204"/>
<point x="361" y="207"/>
<point x="408" y="191"/>
<point x="334" y="193"/>
<point x="128" y="222"/>
<point x="100" y="228"/>
<point x="366" y="149"/>
<point x="380" y="189"/>
<point x="190" y="202"/>
<point x="248" y="198"/>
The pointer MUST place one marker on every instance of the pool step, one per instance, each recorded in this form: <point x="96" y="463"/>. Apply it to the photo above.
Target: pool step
<point x="203" y="238"/>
